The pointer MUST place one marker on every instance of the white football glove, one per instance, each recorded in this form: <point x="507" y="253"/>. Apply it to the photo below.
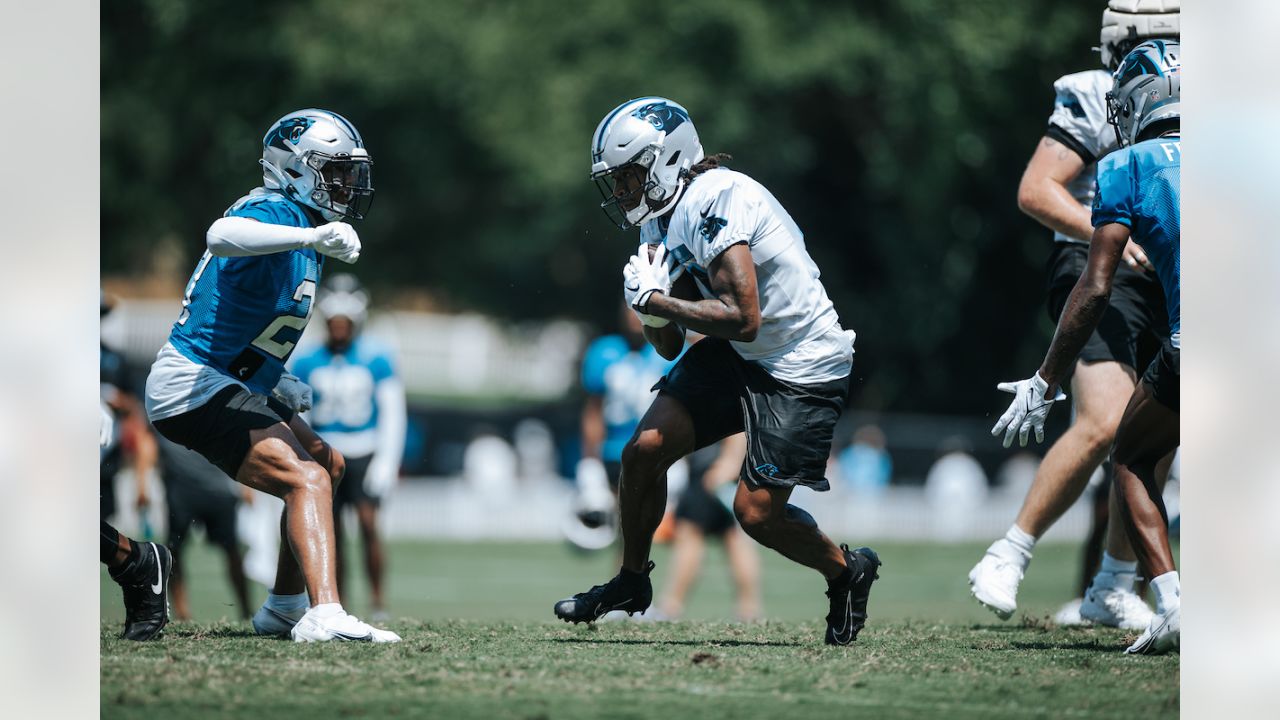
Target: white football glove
<point x="293" y="392"/>
<point x="339" y="241"/>
<point x="630" y="288"/>
<point x="380" y="477"/>
<point x="1028" y="409"/>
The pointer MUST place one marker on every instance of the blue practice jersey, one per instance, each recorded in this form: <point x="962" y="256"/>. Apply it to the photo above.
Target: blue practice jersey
<point x="243" y="316"/>
<point x="625" y="378"/>
<point x="1138" y="186"/>
<point x="343" y="385"/>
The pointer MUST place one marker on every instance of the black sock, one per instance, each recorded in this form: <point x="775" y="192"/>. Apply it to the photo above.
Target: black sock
<point x="632" y="576"/>
<point x="842" y="579"/>
<point x="131" y="567"/>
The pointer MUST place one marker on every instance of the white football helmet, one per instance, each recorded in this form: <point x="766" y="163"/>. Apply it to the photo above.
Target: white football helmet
<point x="655" y="134"/>
<point x="1125" y="23"/>
<point x="341" y="295"/>
<point x="318" y="158"/>
<point x="1146" y="89"/>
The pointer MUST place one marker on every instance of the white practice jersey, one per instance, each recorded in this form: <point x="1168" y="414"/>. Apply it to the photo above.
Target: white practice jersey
<point x="800" y="339"/>
<point x="1079" y="121"/>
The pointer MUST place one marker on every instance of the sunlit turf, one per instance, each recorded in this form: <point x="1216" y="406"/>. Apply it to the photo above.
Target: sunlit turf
<point x="480" y="641"/>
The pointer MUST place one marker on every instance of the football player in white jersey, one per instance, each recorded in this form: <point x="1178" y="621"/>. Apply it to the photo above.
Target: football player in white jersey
<point x="720" y="256"/>
<point x="1057" y="190"/>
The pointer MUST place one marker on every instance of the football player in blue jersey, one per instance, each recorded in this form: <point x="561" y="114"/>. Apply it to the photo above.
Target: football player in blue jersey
<point x="358" y="408"/>
<point x="219" y="386"/>
<point x="618" y="374"/>
<point x="1137" y="198"/>
<point x="1057" y="190"/>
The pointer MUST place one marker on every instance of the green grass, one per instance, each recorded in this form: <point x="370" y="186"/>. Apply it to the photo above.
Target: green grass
<point x="480" y="642"/>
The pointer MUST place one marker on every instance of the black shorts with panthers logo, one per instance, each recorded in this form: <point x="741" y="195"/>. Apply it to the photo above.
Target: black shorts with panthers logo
<point x="789" y="426"/>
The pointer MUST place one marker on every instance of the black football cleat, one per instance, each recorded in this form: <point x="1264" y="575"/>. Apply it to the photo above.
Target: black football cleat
<point x="146" y="593"/>
<point x="849" y="603"/>
<point x="629" y="592"/>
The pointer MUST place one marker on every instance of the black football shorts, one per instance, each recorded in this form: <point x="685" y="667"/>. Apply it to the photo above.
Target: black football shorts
<point x="789" y="426"/>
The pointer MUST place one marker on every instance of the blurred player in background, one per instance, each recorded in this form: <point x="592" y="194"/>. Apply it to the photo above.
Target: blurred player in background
<point x="1138" y="199"/>
<point x="619" y="372"/>
<point x="1057" y="189"/>
<point x="775" y="362"/>
<point x="196" y="491"/>
<point x="130" y="439"/>
<point x="358" y="408"/>
<point x="705" y="509"/>
<point x="219" y="386"/>
<point x="141" y="569"/>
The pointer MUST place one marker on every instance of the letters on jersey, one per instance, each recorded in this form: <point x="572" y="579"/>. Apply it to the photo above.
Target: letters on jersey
<point x="1140" y="187"/>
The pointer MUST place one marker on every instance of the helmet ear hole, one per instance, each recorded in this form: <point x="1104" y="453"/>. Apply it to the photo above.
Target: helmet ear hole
<point x="675" y="158"/>
<point x="292" y="173"/>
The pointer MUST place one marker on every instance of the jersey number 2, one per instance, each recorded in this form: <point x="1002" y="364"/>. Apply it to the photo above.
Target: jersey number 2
<point x="266" y="341"/>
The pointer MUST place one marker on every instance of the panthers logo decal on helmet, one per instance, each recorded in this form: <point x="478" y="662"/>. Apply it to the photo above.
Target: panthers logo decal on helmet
<point x="662" y="116"/>
<point x="291" y="129"/>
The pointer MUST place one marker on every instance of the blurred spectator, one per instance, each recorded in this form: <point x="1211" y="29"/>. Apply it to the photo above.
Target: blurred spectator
<point x="196" y="491"/>
<point x="865" y="467"/>
<point x="490" y="465"/>
<point x="618" y="374"/>
<point x="359" y="408"/>
<point x="705" y="509"/>
<point x="955" y="488"/>
<point x="131" y="439"/>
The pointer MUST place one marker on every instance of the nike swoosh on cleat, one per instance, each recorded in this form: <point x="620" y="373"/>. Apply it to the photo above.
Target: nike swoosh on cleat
<point x="344" y="636"/>
<point x="158" y="587"/>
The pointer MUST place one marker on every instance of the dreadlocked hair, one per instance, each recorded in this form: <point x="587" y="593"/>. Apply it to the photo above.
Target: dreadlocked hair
<point x="710" y="162"/>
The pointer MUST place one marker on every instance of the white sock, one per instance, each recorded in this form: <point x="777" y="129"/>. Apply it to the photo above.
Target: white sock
<point x="287" y="603"/>
<point x="1016" y="545"/>
<point x="327" y="610"/>
<point x="1168" y="591"/>
<point x="1116" y="574"/>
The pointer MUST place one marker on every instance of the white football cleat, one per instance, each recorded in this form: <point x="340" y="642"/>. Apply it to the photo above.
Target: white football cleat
<point x="1069" y="614"/>
<point x="269" y="621"/>
<point x="994" y="582"/>
<point x="1115" y="608"/>
<point x="1161" y="636"/>
<point x="338" y="626"/>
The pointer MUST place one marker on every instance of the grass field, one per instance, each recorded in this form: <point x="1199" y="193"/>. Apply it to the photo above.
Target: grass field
<point x="480" y="641"/>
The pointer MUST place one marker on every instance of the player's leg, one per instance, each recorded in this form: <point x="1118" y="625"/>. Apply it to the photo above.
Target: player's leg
<point x="1149" y="432"/>
<point x="142" y="569"/>
<point x="744" y="566"/>
<point x="374" y="555"/>
<point x="664" y="435"/>
<point x="280" y="463"/>
<point x="686" y="561"/>
<point x="219" y="519"/>
<point x="177" y="580"/>
<point x="766" y="516"/>
<point x="1100" y="390"/>
<point x="319" y="456"/>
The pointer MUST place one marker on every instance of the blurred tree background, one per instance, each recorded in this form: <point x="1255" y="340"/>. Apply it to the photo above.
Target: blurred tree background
<point x="894" y="132"/>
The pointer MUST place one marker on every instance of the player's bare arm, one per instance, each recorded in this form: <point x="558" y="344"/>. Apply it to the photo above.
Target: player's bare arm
<point x="1088" y="300"/>
<point x="734" y="312"/>
<point x="1043" y="194"/>
<point x="669" y="340"/>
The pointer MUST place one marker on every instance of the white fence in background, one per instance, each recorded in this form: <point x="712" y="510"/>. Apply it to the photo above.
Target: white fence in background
<point x="440" y="355"/>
